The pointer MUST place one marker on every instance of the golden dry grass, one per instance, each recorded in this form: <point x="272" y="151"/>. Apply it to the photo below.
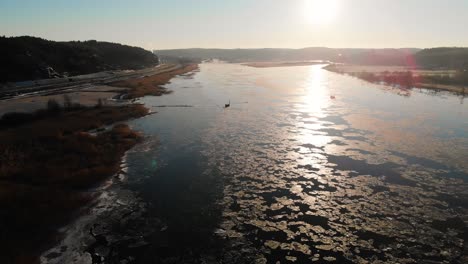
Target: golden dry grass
<point x="46" y="167"/>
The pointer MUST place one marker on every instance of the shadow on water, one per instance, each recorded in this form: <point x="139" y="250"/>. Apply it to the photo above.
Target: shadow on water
<point x="448" y="172"/>
<point x="184" y="196"/>
<point x="360" y="167"/>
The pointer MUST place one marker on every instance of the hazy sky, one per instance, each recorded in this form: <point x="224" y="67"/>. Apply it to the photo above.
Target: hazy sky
<point x="157" y="24"/>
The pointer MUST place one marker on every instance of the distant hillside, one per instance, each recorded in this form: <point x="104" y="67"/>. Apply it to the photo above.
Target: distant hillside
<point x="449" y="58"/>
<point x="355" y="56"/>
<point x="446" y="58"/>
<point x="28" y="58"/>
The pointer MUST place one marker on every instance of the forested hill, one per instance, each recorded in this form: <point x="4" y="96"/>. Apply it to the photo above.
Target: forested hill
<point x="29" y="58"/>
<point x="355" y="56"/>
<point x="435" y="58"/>
<point x="450" y="58"/>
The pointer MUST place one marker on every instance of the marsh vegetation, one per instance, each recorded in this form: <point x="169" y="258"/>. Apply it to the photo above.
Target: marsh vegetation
<point x="48" y="161"/>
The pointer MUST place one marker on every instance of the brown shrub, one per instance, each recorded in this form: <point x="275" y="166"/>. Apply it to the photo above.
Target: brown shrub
<point x="47" y="165"/>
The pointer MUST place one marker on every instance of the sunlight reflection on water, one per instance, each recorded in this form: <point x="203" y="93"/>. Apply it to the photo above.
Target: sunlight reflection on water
<point x="308" y="177"/>
<point x="314" y="102"/>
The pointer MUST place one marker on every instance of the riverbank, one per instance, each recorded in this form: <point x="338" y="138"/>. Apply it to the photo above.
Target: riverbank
<point x="402" y="76"/>
<point x="151" y="85"/>
<point x="50" y="160"/>
<point x="44" y="175"/>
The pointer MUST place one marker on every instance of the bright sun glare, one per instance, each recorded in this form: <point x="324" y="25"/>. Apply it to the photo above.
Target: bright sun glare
<point x="320" y="12"/>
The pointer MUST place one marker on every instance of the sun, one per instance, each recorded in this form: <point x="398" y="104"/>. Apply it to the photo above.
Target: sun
<point x="320" y="12"/>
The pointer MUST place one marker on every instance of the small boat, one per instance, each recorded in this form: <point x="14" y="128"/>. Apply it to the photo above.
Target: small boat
<point x="228" y="104"/>
<point x="332" y="97"/>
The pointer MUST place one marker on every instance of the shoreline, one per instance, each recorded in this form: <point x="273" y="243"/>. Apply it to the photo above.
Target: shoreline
<point x="150" y="85"/>
<point x="281" y="64"/>
<point x="443" y="87"/>
<point x="46" y="175"/>
<point x="378" y="74"/>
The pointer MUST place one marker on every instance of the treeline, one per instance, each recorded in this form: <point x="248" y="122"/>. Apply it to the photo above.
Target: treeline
<point x="436" y="58"/>
<point x="443" y="58"/>
<point x="354" y="56"/>
<point x="29" y="58"/>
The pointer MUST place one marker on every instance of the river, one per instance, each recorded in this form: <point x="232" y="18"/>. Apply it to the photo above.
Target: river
<point x="305" y="166"/>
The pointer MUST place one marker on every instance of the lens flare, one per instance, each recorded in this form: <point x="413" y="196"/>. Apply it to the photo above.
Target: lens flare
<point x="321" y="12"/>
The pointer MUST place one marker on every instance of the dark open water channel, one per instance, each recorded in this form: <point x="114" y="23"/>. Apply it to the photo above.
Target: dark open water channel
<point x="288" y="174"/>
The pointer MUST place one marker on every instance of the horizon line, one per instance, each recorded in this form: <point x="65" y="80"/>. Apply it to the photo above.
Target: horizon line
<point x="240" y="48"/>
